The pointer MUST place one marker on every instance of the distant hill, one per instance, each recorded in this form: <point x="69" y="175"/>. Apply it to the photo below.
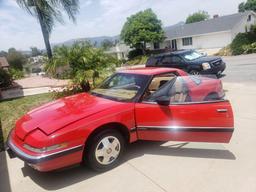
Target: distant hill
<point x="96" y="41"/>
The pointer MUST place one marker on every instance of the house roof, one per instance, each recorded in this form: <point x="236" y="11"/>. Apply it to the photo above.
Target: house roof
<point x="224" y="23"/>
<point x="3" y="62"/>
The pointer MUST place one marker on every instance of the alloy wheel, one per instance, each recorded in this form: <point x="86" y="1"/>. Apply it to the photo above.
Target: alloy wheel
<point x="107" y="150"/>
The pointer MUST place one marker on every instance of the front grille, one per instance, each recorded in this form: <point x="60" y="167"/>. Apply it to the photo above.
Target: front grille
<point x="217" y="62"/>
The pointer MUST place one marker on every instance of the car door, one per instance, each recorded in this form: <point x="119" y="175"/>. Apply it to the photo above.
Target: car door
<point x="182" y="119"/>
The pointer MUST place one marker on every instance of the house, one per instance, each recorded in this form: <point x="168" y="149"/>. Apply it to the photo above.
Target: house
<point x="210" y="35"/>
<point x="4" y="63"/>
<point x="120" y="51"/>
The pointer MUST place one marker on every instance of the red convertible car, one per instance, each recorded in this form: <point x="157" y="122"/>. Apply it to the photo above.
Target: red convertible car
<point x="160" y="104"/>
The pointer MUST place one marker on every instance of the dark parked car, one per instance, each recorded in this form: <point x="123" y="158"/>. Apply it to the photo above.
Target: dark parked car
<point x="190" y="61"/>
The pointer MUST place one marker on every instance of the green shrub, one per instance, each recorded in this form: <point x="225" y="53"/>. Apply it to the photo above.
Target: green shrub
<point x="5" y="79"/>
<point x="253" y="29"/>
<point x="250" y="48"/>
<point x="86" y="67"/>
<point x="16" y="59"/>
<point x="138" y="60"/>
<point x="225" y="51"/>
<point x="121" y="62"/>
<point x="82" y="61"/>
<point x="16" y="74"/>
<point x="135" y="53"/>
<point x="240" y="41"/>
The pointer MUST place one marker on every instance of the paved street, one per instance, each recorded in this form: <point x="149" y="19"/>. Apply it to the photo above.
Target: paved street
<point x="171" y="166"/>
<point x="241" y="69"/>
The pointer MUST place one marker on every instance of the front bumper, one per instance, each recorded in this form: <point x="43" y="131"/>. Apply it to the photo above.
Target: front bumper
<point x="215" y="69"/>
<point x="40" y="158"/>
<point x="49" y="161"/>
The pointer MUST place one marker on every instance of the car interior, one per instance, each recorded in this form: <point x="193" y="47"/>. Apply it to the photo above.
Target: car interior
<point x="178" y="92"/>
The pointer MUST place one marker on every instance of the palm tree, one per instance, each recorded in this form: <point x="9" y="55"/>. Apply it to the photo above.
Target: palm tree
<point x="48" y="12"/>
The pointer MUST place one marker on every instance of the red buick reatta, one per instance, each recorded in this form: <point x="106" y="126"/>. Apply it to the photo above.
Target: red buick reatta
<point x="160" y="104"/>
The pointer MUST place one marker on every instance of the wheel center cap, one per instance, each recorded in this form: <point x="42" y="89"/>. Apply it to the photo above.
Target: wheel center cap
<point x="109" y="150"/>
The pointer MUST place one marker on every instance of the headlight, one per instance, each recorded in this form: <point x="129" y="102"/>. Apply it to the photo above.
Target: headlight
<point x="206" y="66"/>
<point x="44" y="149"/>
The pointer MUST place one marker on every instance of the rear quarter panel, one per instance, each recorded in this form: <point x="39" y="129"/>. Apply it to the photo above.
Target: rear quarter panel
<point x="199" y="92"/>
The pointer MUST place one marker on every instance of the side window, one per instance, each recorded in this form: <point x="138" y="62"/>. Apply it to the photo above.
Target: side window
<point x="179" y="92"/>
<point x="152" y="61"/>
<point x="176" y="89"/>
<point x="184" y="89"/>
<point x="157" y="83"/>
<point x="167" y="60"/>
<point x="176" y="59"/>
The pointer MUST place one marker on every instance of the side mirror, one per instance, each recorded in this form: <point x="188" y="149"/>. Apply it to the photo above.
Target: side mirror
<point x="163" y="100"/>
<point x="204" y="54"/>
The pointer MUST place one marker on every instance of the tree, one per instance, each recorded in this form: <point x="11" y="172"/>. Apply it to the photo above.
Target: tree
<point x="16" y="59"/>
<point x="241" y="7"/>
<point x="5" y="78"/>
<point x="35" y="51"/>
<point x="48" y="12"/>
<point x="198" y="16"/>
<point x="85" y="62"/>
<point x="106" y="44"/>
<point x="249" y="5"/>
<point x="141" y="28"/>
<point x="3" y="53"/>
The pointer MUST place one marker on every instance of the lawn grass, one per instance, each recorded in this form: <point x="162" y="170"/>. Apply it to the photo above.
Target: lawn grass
<point x="12" y="110"/>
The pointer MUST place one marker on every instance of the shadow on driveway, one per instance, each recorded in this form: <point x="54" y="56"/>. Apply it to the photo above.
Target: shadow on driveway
<point x="66" y="177"/>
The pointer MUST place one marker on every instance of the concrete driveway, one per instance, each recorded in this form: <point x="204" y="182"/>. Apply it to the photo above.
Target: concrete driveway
<point x="39" y="81"/>
<point x="171" y="166"/>
<point x="33" y="85"/>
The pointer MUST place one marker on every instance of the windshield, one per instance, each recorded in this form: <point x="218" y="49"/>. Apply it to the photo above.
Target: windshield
<point x="192" y="55"/>
<point x="122" y="86"/>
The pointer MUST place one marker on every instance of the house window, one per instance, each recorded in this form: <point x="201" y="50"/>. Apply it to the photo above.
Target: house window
<point x="156" y="45"/>
<point x="249" y="18"/>
<point x="187" y="41"/>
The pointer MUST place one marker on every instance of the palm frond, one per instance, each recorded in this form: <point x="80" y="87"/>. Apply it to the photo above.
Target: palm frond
<point x="25" y="4"/>
<point x="50" y="10"/>
<point x="71" y="7"/>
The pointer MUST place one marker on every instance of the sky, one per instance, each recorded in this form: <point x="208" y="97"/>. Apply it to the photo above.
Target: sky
<point x="98" y="18"/>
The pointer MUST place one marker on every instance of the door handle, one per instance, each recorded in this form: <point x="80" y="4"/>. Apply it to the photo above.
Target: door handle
<point x="222" y="110"/>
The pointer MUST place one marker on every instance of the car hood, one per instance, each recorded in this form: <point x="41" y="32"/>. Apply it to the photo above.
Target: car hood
<point x="55" y="115"/>
<point x="206" y="59"/>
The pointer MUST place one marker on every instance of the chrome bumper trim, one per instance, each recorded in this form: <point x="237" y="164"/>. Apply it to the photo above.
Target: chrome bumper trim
<point x="185" y="129"/>
<point x="42" y="158"/>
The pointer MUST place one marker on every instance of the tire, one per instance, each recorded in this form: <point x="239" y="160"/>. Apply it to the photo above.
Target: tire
<point x="102" y="158"/>
<point x="194" y="72"/>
